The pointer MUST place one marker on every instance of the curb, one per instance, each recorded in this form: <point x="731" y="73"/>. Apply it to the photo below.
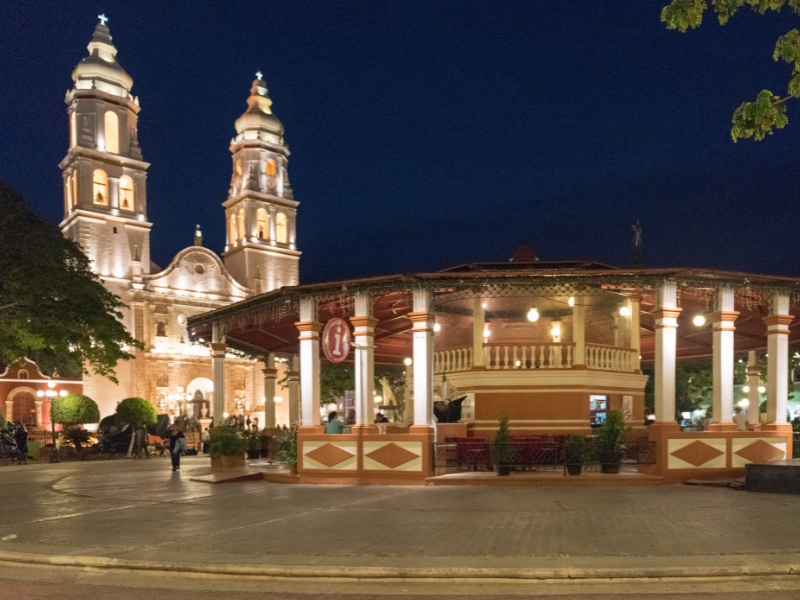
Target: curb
<point x="404" y="573"/>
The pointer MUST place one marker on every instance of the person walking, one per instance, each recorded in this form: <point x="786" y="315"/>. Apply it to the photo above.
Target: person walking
<point x="177" y="444"/>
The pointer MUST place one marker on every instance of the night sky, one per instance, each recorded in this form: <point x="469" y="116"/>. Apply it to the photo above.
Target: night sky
<point x="426" y="134"/>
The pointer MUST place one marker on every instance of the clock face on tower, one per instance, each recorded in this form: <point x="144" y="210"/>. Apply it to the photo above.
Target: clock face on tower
<point x="272" y="183"/>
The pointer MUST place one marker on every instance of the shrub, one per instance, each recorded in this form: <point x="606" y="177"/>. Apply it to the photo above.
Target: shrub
<point x="226" y="442"/>
<point x="501" y="443"/>
<point x="135" y="413"/>
<point x="287" y="445"/>
<point x="612" y="435"/>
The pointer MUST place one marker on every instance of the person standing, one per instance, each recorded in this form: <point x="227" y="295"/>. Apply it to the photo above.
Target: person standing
<point x="177" y="444"/>
<point x="205" y="437"/>
<point x="740" y="419"/>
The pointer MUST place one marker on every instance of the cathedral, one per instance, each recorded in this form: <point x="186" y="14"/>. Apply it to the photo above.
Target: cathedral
<point x="105" y="211"/>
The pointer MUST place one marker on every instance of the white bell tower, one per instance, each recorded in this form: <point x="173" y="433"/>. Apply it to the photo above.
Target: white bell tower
<point x="261" y="250"/>
<point x="105" y="202"/>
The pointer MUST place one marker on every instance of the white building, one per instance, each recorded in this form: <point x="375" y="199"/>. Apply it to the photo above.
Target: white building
<point x="105" y="211"/>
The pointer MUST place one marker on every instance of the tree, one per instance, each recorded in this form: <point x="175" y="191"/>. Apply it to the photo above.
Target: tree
<point x="752" y="119"/>
<point x="135" y="413"/>
<point x="53" y="309"/>
<point x="74" y="409"/>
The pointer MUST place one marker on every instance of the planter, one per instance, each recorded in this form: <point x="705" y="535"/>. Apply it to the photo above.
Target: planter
<point x="575" y="469"/>
<point x="231" y="462"/>
<point x="293" y="469"/>
<point x="503" y="470"/>
<point x="611" y="465"/>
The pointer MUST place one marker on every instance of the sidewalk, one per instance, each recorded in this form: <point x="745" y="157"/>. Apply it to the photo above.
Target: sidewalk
<point x="139" y="515"/>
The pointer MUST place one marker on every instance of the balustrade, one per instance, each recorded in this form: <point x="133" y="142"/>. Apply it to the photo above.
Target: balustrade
<point x="542" y="356"/>
<point x="449" y="361"/>
<point x="610" y="358"/>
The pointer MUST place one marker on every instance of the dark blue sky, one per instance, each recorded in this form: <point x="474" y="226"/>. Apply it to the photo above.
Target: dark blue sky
<point x="426" y="134"/>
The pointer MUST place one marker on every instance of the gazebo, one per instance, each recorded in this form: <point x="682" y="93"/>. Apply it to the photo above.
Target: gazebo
<point x="543" y="343"/>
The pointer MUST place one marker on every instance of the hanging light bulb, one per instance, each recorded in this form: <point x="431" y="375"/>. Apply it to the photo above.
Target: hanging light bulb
<point x="556" y="331"/>
<point x="437" y="327"/>
<point x="486" y="331"/>
<point x="762" y="389"/>
<point x="533" y="315"/>
<point x="699" y="320"/>
<point x="407" y="362"/>
<point x="572" y="301"/>
<point x="624" y="311"/>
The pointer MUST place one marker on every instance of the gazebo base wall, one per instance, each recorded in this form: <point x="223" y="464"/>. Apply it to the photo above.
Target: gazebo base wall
<point x="365" y="459"/>
<point x="709" y="455"/>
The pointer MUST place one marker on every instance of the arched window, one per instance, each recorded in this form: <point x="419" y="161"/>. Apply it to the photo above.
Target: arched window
<point x="161" y="329"/>
<point x="270" y="167"/>
<point x="73" y="131"/>
<point x="232" y="235"/>
<point x="112" y="132"/>
<point x="126" y="193"/>
<point x="99" y="185"/>
<point x="241" y="223"/>
<point x="263" y="223"/>
<point x="281" y="233"/>
<point x="22" y="374"/>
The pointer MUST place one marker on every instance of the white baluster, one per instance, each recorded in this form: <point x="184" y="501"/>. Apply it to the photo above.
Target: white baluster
<point x="524" y="364"/>
<point x="515" y="359"/>
<point x="569" y="356"/>
<point x="505" y="362"/>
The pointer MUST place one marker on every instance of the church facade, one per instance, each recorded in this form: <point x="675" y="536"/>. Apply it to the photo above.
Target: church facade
<point x="105" y="211"/>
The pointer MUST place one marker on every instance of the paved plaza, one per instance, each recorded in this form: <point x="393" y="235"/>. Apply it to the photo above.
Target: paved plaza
<point x="140" y="511"/>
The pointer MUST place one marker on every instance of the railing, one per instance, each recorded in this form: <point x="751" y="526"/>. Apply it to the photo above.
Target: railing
<point x="610" y="358"/>
<point x="534" y="454"/>
<point x="544" y="356"/>
<point x="449" y="361"/>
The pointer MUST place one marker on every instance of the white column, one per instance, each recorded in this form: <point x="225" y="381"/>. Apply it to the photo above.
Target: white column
<point x="309" y="362"/>
<point x="579" y="333"/>
<point x="753" y="396"/>
<point x="723" y="326"/>
<point x="620" y="330"/>
<point x="270" y="375"/>
<point x="422" y="317"/>
<point x="666" y="340"/>
<point x="636" y="338"/>
<point x="364" y="325"/>
<point x="293" y="377"/>
<point x="478" y="323"/>
<point x="218" y="348"/>
<point x="778" y="358"/>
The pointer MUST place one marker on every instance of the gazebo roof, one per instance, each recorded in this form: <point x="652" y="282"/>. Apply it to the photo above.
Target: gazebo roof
<point x="266" y="323"/>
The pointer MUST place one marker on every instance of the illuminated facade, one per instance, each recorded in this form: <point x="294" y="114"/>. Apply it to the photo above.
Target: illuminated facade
<point x="105" y="211"/>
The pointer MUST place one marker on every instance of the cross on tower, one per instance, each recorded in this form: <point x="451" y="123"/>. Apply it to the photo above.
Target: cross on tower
<point x="258" y="74"/>
<point x="103" y="19"/>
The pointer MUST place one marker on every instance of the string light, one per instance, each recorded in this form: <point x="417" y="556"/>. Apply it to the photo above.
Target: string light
<point x="533" y="315"/>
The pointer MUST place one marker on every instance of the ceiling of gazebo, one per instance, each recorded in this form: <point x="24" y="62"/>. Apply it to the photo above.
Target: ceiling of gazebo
<point x="266" y="323"/>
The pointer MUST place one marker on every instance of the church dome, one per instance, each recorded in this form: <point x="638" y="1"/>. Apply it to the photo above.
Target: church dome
<point x="258" y="118"/>
<point x="100" y="69"/>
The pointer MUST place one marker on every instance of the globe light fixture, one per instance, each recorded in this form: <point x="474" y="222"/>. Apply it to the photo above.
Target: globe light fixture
<point x="571" y="301"/>
<point x="746" y="389"/>
<point x="744" y="403"/>
<point x="485" y="331"/>
<point x="437" y="327"/>
<point x="278" y="399"/>
<point x="40" y="393"/>
<point x="556" y="331"/>
<point x="51" y="384"/>
<point x="762" y="389"/>
<point x="180" y="389"/>
<point x="699" y="320"/>
<point x="533" y="315"/>
<point x="624" y="311"/>
<point x="407" y="362"/>
<point x="378" y="399"/>
<point x="62" y="393"/>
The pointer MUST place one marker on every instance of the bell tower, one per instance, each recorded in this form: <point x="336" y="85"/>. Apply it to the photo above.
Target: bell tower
<point x="260" y="212"/>
<point x="105" y="206"/>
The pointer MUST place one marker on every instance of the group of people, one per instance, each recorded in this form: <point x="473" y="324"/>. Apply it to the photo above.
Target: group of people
<point x="242" y="422"/>
<point x="335" y="425"/>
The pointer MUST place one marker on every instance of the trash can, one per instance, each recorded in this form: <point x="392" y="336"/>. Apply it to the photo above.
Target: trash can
<point x="34" y="448"/>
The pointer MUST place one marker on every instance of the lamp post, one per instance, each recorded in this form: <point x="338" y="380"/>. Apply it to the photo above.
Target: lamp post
<point x="51" y="395"/>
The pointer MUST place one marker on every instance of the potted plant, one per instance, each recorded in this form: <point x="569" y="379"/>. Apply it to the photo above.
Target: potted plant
<point x="611" y="442"/>
<point x="253" y="444"/>
<point x="263" y="444"/>
<point x="287" y="447"/>
<point x="576" y="447"/>
<point x="227" y="444"/>
<point x="501" y="448"/>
